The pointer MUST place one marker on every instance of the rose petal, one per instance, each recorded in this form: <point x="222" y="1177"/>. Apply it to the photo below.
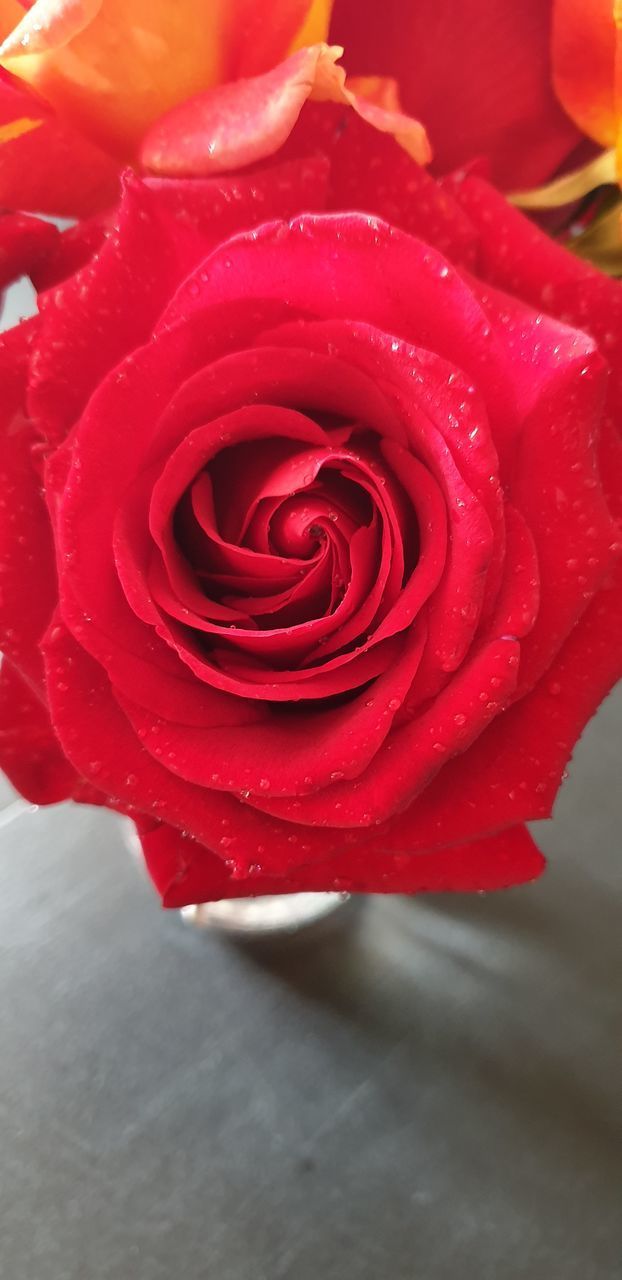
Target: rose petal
<point x="45" y="164"/>
<point x="517" y="604"/>
<point x="26" y="551"/>
<point x="274" y="759"/>
<point x="367" y="171"/>
<point x="121" y="292"/>
<point x="419" y="749"/>
<point x="24" y="243"/>
<point x="569" y="519"/>
<point x="29" y="751"/>
<point x="370" y="271"/>
<point x="49" y="24"/>
<point x="112" y="69"/>
<point x="542" y="272"/>
<point x="185" y="872"/>
<point x="243" y="121"/>
<point x="436" y="409"/>
<point x="106" y="752"/>
<point x="478" y="75"/>
<point x="512" y="774"/>
<point x="587" y="65"/>
<point x="261" y="32"/>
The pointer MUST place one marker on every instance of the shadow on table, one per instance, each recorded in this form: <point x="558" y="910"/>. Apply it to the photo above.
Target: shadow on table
<point x="496" y="990"/>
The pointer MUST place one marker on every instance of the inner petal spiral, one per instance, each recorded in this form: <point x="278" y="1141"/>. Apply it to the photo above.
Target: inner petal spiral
<point x="287" y="553"/>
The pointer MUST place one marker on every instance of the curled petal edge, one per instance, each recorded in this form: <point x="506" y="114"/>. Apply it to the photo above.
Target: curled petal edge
<point x="239" y="123"/>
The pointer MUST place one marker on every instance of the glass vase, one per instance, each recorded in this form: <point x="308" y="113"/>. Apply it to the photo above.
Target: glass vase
<point x="267" y="916"/>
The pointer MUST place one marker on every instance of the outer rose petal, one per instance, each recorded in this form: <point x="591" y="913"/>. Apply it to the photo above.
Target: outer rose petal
<point x="512" y="774"/>
<point x="476" y="74"/>
<point x="113" y="66"/>
<point x="376" y="274"/>
<point x="415" y="753"/>
<point x="24" y="242"/>
<point x="126" y="64"/>
<point x="11" y="12"/>
<point x="120" y="293"/>
<point x="261" y="32"/>
<point x="369" y="172"/>
<point x="49" y="24"/>
<point x="29" y="750"/>
<point x="587" y="65"/>
<point x="45" y="164"/>
<point x="27" y="572"/>
<point x="99" y="742"/>
<point x="185" y="872"/>
<point x="526" y="263"/>
<point x="545" y="274"/>
<point x="73" y="248"/>
<point x="244" y="121"/>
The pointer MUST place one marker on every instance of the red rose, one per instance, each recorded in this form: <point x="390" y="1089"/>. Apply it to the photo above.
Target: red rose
<point x="335" y="559"/>
<point x="481" y="76"/>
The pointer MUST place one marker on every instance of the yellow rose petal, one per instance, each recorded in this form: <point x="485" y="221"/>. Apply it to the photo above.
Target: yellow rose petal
<point x="572" y="186"/>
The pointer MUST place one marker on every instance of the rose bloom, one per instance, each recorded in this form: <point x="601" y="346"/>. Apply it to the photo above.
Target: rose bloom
<point x="85" y="80"/>
<point x="82" y="81"/>
<point x="308" y="537"/>
<point x="488" y="79"/>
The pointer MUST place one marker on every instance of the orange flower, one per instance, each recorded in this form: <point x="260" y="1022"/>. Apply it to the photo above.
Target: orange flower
<point x="587" y="74"/>
<point x="84" y="80"/>
<point x="587" y="66"/>
<point x="115" y="66"/>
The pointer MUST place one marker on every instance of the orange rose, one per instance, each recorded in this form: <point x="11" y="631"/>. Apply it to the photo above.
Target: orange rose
<point x="587" y="67"/>
<point x="83" y="81"/>
<point x="113" y="66"/>
<point x="587" y="74"/>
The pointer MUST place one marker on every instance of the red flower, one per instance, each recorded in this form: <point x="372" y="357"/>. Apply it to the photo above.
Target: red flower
<point x="330" y="499"/>
<point x="478" y="75"/>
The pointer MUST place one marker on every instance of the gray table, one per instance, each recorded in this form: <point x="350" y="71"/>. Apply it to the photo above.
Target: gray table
<point x="431" y="1092"/>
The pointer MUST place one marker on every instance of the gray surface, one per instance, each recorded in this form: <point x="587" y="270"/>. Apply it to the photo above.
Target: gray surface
<point x="430" y="1093"/>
